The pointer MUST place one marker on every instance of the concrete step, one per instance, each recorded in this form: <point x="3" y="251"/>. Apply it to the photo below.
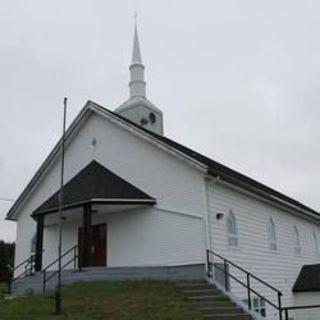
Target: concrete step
<point x="220" y="310"/>
<point x="211" y="302"/>
<point x="208" y="298"/>
<point x="201" y="292"/>
<point x="228" y="317"/>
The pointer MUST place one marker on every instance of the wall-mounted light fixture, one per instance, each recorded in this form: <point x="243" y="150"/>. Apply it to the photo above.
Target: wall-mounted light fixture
<point x="219" y="216"/>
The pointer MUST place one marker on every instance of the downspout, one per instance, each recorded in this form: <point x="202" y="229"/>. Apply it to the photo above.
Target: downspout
<point x="208" y="183"/>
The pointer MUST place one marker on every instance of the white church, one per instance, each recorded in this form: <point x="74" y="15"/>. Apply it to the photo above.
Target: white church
<point x="138" y="203"/>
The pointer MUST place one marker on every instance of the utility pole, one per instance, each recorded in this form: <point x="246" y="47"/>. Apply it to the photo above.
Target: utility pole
<point x="58" y="294"/>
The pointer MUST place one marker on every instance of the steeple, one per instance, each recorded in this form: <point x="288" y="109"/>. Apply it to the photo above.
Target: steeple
<point x="136" y="54"/>
<point x="138" y="108"/>
<point x="137" y="84"/>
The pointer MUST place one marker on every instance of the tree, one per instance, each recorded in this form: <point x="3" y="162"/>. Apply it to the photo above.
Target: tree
<point x="6" y="258"/>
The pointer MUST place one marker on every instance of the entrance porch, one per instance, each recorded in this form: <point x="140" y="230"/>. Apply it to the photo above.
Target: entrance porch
<point x="91" y="199"/>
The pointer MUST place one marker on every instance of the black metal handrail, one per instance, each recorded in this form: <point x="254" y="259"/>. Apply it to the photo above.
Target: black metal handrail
<point x="75" y="250"/>
<point x="287" y="309"/>
<point x="247" y="285"/>
<point x="29" y="267"/>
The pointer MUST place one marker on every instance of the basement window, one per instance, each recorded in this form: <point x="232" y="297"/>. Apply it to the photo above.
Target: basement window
<point x="258" y="306"/>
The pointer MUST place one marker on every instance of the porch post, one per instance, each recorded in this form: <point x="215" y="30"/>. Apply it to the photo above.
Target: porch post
<point x="87" y="237"/>
<point x="39" y="243"/>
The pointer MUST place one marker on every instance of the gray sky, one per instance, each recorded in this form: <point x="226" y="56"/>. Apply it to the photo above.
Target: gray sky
<point x="237" y="80"/>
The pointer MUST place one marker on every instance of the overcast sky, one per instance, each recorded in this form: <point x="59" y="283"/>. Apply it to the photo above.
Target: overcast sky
<point x="237" y="80"/>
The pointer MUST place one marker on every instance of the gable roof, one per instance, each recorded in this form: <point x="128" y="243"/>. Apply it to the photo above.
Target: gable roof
<point x="308" y="279"/>
<point x="95" y="183"/>
<point x="212" y="167"/>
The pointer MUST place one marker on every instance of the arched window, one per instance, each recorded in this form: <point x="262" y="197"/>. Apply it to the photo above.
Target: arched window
<point x="272" y="235"/>
<point x="297" y="245"/>
<point x="315" y="243"/>
<point x="232" y="234"/>
<point x="33" y="244"/>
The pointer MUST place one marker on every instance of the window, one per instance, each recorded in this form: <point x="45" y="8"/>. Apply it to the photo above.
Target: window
<point x="272" y="235"/>
<point x="232" y="230"/>
<point x="33" y="243"/>
<point x="258" y="305"/>
<point x="316" y="245"/>
<point x="297" y="245"/>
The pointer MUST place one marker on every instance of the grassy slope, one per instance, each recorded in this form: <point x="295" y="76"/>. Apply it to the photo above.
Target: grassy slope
<point x="3" y="289"/>
<point x="130" y="300"/>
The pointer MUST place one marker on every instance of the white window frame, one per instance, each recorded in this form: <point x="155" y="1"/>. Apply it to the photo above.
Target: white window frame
<point x="259" y="306"/>
<point x="297" y="243"/>
<point x="272" y="236"/>
<point x="232" y="230"/>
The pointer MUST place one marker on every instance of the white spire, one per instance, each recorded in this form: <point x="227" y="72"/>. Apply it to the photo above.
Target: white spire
<point x="137" y="84"/>
<point x="136" y="54"/>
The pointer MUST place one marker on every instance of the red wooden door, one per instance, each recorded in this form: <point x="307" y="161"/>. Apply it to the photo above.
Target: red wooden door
<point x="98" y="257"/>
<point x="99" y="245"/>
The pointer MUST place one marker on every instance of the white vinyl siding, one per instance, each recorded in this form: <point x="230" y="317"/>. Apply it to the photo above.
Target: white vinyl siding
<point x="140" y="237"/>
<point x="177" y="186"/>
<point x="279" y="268"/>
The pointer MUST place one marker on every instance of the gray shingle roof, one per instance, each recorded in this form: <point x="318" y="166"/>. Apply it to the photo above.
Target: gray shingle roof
<point x="92" y="183"/>
<point x="308" y="279"/>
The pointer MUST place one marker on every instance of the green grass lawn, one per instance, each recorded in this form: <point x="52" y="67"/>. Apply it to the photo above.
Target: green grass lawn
<point x="118" y="300"/>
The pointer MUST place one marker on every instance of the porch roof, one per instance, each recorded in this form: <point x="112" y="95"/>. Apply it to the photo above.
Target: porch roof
<point x="308" y="279"/>
<point x="95" y="184"/>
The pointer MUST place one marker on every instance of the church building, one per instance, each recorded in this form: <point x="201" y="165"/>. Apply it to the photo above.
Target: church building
<point x="136" y="202"/>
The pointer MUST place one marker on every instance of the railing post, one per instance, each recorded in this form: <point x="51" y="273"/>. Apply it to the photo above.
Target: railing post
<point x="208" y="265"/>
<point x="280" y="305"/>
<point x="44" y="281"/>
<point x="226" y="284"/>
<point x="32" y="260"/>
<point x="287" y="314"/>
<point x="9" y="286"/>
<point x="74" y="257"/>
<point x="249" y="291"/>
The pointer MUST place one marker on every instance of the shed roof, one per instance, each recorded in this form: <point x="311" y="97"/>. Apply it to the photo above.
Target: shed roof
<point x="308" y="279"/>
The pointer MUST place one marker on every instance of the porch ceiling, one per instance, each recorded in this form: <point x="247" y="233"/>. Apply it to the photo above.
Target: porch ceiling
<point x="76" y="214"/>
<point x="96" y="185"/>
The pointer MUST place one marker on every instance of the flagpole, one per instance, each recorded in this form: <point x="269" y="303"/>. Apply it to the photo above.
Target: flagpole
<point x="58" y="294"/>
